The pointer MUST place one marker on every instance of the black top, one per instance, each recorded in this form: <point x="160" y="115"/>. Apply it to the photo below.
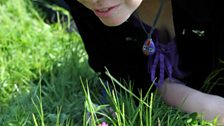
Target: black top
<point x="198" y="37"/>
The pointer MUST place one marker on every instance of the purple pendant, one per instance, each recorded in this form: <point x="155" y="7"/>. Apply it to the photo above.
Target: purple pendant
<point x="149" y="47"/>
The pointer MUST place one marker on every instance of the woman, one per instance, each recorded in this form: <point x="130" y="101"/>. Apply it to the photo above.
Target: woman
<point x="120" y="35"/>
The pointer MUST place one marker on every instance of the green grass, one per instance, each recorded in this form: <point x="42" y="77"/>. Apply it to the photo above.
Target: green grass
<point x="149" y="110"/>
<point x="28" y="46"/>
<point x="34" y="53"/>
<point x="45" y="79"/>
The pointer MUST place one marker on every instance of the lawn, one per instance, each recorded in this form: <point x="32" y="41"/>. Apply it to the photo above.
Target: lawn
<point x="45" y="79"/>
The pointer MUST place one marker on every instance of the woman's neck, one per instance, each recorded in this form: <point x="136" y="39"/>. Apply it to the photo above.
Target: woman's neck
<point x="148" y="10"/>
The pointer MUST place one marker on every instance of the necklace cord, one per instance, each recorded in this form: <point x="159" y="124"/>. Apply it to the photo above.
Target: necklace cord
<point x="156" y="18"/>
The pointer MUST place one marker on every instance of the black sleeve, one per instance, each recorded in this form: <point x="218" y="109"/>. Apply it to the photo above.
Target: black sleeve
<point x="90" y="30"/>
<point x="199" y="37"/>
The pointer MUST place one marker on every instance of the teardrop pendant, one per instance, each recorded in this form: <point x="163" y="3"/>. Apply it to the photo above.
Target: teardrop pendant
<point x="149" y="47"/>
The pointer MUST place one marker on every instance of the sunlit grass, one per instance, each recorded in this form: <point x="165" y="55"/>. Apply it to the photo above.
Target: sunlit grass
<point x="28" y="46"/>
<point x="33" y="52"/>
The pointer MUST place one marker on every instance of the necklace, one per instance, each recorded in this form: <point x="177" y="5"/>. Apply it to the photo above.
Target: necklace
<point x="149" y="47"/>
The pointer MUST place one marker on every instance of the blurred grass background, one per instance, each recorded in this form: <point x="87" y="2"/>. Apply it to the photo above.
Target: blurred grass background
<point x="33" y="53"/>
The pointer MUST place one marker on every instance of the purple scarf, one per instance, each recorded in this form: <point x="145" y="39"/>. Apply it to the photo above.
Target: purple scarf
<point x="166" y="59"/>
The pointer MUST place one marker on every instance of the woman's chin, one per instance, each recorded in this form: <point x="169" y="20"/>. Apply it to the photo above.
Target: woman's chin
<point x="113" y="23"/>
